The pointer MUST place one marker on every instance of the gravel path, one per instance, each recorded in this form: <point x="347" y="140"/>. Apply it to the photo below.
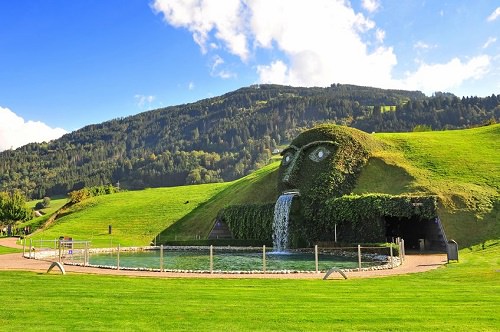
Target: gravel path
<point x="413" y="263"/>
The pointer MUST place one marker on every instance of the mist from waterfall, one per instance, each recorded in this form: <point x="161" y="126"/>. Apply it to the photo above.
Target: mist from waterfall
<point x="280" y="224"/>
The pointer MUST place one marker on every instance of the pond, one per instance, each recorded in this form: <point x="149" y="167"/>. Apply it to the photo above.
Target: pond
<point x="225" y="260"/>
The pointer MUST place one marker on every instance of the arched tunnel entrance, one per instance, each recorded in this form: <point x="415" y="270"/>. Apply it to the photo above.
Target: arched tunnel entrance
<point x="418" y="234"/>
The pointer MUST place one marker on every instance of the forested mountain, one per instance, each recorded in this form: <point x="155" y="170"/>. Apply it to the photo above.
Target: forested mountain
<point x="222" y="138"/>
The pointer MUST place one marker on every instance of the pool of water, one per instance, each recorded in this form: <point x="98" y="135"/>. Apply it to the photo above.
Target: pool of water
<point x="199" y="260"/>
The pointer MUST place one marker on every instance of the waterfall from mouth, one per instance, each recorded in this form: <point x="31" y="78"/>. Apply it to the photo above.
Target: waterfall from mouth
<point x="280" y="224"/>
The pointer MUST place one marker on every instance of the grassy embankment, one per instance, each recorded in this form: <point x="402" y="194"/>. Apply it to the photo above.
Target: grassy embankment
<point x="137" y="217"/>
<point x="461" y="167"/>
<point x="462" y="296"/>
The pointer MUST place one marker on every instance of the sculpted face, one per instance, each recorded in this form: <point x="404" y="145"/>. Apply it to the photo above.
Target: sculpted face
<point x="301" y="164"/>
<point x="321" y="163"/>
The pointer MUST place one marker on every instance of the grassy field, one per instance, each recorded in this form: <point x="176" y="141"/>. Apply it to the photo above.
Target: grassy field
<point x="462" y="296"/>
<point x="55" y="204"/>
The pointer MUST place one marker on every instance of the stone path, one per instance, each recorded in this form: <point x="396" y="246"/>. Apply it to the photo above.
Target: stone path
<point x="413" y="263"/>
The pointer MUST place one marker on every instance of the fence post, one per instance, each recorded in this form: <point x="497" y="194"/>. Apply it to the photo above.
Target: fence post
<point x="403" y="250"/>
<point x="118" y="258"/>
<point x="264" y="258"/>
<point x="392" y="261"/>
<point x="31" y="248"/>
<point x="359" y="257"/>
<point x="335" y="232"/>
<point x="316" y="257"/>
<point x="161" y="257"/>
<point x="24" y="247"/>
<point x="211" y="259"/>
<point x="86" y="257"/>
<point x="60" y="251"/>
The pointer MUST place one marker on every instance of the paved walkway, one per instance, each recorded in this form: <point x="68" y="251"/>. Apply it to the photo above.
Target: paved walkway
<point x="413" y="263"/>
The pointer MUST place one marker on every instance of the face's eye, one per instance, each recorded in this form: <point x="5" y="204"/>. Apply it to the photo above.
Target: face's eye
<point x="287" y="159"/>
<point x="319" y="154"/>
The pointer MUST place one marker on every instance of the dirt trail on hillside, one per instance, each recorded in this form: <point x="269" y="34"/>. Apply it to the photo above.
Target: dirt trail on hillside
<point x="413" y="263"/>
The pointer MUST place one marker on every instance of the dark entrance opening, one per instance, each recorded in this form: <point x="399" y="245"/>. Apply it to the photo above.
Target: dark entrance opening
<point x="418" y="234"/>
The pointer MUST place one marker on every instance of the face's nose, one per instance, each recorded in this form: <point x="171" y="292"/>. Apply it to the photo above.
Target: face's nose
<point x="290" y="175"/>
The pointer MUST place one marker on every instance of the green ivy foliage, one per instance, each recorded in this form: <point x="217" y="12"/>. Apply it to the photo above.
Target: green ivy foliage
<point x="249" y="221"/>
<point x="360" y="218"/>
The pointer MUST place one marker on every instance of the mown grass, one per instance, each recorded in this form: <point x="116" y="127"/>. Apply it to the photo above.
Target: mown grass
<point x="7" y="250"/>
<point x="463" y="296"/>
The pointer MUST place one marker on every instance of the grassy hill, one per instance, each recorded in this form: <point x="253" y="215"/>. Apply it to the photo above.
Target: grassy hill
<point x="461" y="167"/>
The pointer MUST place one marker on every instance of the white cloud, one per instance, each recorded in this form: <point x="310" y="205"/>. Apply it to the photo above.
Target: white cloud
<point x="494" y="15"/>
<point x="370" y="5"/>
<point x="206" y="19"/>
<point x="489" y="42"/>
<point x="191" y="86"/>
<point x="216" y="70"/>
<point x="444" y="77"/>
<point x="323" y="42"/>
<point x="142" y="100"/>
<point x="380" y="35"/>
<point x="16" y="132"/>
<point x="276" y="72"/>
<point x="420" y="45"/>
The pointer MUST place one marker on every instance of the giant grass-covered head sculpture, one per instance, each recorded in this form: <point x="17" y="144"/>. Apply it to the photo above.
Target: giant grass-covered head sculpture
<point x="321" y="163"/>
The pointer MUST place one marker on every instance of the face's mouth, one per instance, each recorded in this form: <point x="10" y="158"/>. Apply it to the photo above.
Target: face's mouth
<point x="293" y="192"/>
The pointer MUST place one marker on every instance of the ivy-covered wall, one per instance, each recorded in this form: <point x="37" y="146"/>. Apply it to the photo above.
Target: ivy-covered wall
<point x="360" y="218"/>
<point x="249" y="221"/>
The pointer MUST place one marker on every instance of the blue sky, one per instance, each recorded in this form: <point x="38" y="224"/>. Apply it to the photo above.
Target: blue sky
<point x="66" y="64"/>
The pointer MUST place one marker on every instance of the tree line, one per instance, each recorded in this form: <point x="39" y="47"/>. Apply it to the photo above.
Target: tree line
<point x="222" y="138"/>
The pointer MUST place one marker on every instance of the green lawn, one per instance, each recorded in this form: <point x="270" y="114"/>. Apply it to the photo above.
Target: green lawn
<point x="463" y="296"/>
<point x="7" y="250"/>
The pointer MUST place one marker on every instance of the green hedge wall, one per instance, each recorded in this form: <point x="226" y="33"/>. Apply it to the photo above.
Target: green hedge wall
<point x="249" y="221"/>
<point x="359" y="218"/>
